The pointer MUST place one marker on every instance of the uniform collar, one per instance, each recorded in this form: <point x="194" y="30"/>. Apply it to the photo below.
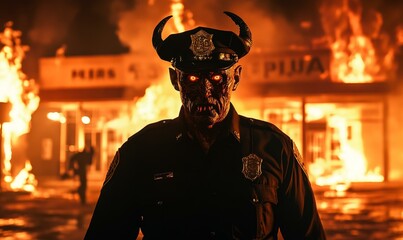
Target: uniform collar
<point x="231" y="121"/>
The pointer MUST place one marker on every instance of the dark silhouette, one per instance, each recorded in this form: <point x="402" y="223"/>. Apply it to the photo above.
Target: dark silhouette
<point x="78" y="164"/>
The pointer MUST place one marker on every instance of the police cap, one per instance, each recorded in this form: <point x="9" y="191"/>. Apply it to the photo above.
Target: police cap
<point x="203" y="48"/>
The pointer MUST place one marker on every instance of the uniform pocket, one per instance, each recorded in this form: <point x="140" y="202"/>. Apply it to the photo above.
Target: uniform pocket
<point x="265" y="200"/>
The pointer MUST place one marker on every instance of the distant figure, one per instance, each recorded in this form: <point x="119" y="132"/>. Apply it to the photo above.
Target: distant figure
<point x="79" y="163"/>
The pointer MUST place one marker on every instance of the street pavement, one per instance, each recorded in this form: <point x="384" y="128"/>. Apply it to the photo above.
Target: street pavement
<point x="53" y="212"/>
<point x="367" y="211"/>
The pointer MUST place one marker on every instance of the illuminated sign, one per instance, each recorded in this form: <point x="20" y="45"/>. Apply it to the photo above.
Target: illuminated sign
<point x="137" y="71"/>
<point x="288" y="66"/>
<point x="124" y="70"/>
<point x="93" y="74"/>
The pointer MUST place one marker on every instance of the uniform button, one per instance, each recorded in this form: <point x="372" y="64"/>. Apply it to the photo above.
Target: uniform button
<point x="159" y="203"/>
<point x="255" y="200"/>
<point x="164" y="121"/>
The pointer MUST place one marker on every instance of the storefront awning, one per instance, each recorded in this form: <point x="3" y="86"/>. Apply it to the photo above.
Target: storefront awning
<point x="89" y="94"/>
<point x="314" y="88"/>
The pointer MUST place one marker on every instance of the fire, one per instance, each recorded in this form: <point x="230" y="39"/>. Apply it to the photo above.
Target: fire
<point x="354" y="55"/>
<point x="21" y="92"/>
<point x="355" y="60"/>
<point x="160" y="101"/>
<point x="24" y="179"/>
<point x="351" y="165"/>
<point x="182" y="19"/>
<point x="157" y="103"/>
<point x="177" y="13"/>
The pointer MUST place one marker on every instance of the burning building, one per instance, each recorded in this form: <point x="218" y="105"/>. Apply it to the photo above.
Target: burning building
<point x="18" y="100"/>
<point x="94" y="100"/>
<point x="338" y="97"/>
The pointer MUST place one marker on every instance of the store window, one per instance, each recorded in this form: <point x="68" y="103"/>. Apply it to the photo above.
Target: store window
<point x="344" y="142"/>
<point x="286" y="114"/>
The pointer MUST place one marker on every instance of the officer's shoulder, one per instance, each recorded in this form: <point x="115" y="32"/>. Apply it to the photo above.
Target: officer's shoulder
<point x="259" y="124"/>
<point x="152" y="128"/>
<point x="264" y="126"/>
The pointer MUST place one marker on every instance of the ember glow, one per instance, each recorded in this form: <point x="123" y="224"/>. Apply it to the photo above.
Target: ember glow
<point x="22" y="94"/>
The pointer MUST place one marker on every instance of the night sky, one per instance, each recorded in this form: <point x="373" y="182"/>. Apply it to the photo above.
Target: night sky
<point x="99" y="27"/>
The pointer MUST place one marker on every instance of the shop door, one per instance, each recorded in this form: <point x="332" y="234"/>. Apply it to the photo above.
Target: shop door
<point x="315" y="142"/>
<point x="94" y="139"/>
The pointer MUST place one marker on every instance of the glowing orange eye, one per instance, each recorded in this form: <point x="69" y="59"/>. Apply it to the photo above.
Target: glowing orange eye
<point x="216" y="77"/>
<point x="193" y="78"/>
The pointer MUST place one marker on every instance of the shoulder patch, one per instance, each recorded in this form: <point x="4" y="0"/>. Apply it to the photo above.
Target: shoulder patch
<point x="298" y="157"/>
<point x="112" y="168"/>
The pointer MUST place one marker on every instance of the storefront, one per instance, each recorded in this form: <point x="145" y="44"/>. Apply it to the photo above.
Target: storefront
<point x="341" y="138"/>
<point x="86" y="101"/>
<point x="346" y="132"/>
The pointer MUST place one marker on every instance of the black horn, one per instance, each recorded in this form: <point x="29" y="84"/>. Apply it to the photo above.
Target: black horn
<point x="157" y="39"/>
<point x="244" y="31"/>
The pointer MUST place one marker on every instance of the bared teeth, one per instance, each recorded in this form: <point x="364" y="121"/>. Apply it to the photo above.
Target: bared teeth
<point x="204" y="108"/>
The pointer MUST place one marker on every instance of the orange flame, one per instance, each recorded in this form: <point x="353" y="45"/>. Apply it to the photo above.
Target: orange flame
<point x="20" y="92"/>
<point x="177" y="8"/>
<point x="25" y="180"/>
<point x="160" y="100"/>
<point x="354" y="55"/>
<point x="351" y="165"/>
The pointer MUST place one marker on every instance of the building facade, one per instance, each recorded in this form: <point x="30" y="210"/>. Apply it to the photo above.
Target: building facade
<point x="347" y="132"/>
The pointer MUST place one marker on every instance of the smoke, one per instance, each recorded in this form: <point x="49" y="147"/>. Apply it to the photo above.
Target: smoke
<point x="269" y="30"/>
<point x="51" y="21"/>
<point x="274" y="24"/>
<point x="136" y="25"/>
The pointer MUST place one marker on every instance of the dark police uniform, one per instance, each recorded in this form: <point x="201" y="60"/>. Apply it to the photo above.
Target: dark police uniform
<point x="249" y="184"/>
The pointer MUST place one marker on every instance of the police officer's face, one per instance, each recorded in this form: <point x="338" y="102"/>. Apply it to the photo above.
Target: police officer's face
<point x="206" y="95"/>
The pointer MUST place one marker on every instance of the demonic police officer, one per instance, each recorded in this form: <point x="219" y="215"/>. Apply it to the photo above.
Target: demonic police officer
<point x="209" y="173"/>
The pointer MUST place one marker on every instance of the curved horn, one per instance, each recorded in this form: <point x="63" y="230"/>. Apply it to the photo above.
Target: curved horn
<point x="244" y="32"/>
<point x="157" y="39"/>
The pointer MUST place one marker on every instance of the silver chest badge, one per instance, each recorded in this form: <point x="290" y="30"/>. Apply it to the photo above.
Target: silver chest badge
<point x="252" y="166"/>
<point x="202" y="45"/>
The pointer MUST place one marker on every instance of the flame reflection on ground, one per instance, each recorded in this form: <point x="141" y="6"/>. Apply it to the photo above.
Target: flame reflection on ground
<point x="365" y="211"/>
<point x="368" y="212"/>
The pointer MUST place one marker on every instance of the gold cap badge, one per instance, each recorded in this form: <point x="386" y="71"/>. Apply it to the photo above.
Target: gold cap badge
<point x="202" y="45"/>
